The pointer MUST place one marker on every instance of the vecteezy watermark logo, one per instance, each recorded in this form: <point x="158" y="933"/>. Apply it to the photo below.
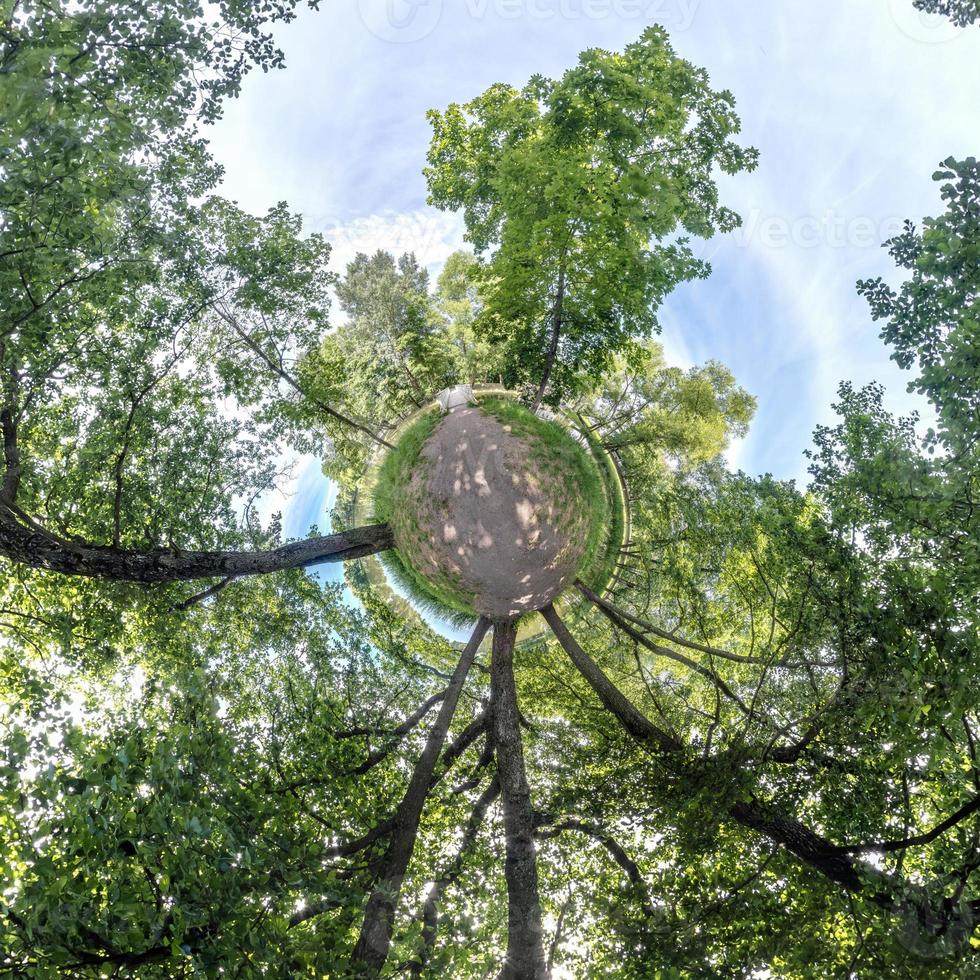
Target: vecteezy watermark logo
<point x="675" y="14"/>
<point x="400" y="21"/>
<point x="404" y="21"/>
<point x="921" y="26"/>
<point x="829" y="230"/>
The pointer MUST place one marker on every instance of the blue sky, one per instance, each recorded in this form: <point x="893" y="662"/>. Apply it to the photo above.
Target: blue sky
<point x="852" y="103"/>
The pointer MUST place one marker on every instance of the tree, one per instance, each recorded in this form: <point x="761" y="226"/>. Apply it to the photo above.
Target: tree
<point x="402" y="345"/>
<point x="136" y="315"/>
<point x="757" y="750"/>
<point x="457" y="307"/>
<point x="689" y="415"/>
<point x="388" y="305"/>
<point x="620" y="153"/>
<point x="962" y="12"/>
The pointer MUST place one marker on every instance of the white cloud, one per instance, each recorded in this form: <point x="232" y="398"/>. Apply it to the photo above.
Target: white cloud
<point x="432" y="235"/>
<point x="852" y="106"/>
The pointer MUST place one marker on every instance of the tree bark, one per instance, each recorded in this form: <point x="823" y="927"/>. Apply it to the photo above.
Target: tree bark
<point x="11" y="455"/>
<point x="556" y="324"/>
<point x="632" y="719"/>
<point x="810" y="848"/>
<point x="525" y="947"/>
<point x="33" y="546"/>
<point x="813" y="850"/>
<point x="374" y="942"/>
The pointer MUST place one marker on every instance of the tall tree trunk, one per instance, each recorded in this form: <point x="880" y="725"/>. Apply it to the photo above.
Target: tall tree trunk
<point x="632" y="719"/>
<point x="34" y="546"/>
<point x="525" y="947"/>
<point x="11" y="455"/>
<point x="830" y="860"/>
<point x="375" y="940"/>
<point x="556" y="324"/>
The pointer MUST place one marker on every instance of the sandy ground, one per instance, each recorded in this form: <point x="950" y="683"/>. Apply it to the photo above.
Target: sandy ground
<point x="491" y="518"/>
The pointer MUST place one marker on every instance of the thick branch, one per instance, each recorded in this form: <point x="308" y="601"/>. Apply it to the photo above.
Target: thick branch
<point x="888" y="847"/>
<point x="363" y="842"/>
<point x="809" y="847"/>
<point x="463" y="741"/>
<point x="44" y="550"/>
<point x="812" y="849"/>
<point x="525" y="947"/>
<point x="395" y="736"/>
<point x="632" y="719"/>
<point x="204" y="595"/>
<point x="314" y="910"/>
<point x="375" y="940"/>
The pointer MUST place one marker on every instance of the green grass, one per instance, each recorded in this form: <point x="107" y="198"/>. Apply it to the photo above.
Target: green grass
<point x="558" y="453"/>
<point x="599" y="572"/>
<point x="436" y="595"/>
<point x="586" y="471"/>
<point x="396" y="469"/>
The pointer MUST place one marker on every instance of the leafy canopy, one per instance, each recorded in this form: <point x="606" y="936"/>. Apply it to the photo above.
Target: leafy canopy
<point x="761" y="751"/>
<point x="574" y="191"/>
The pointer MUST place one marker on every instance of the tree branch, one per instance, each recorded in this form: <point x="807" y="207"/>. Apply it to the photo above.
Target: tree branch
<point x="648" y="627"/>
<point x="616" y="617"/>
<point x="430" y="911"/>
<point x="633" y="720"/>
<point x="615" y="849"/>
<point x="374" y="941"/>
<point x="396" y="736"/>
<point x="41" y="549"/>
<point x="282" y="373"/>
<point x="889" y="847"/>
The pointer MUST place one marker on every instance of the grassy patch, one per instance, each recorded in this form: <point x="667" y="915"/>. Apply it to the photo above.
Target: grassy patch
<point x="583" y="473"/>
<point x="558" y="454"/>
<point x="396" y="469"/>
<point x="598" y="572"/>
<point x="435" y="594"/>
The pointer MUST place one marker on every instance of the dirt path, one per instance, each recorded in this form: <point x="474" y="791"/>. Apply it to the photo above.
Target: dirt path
<point x="493" y="519"/>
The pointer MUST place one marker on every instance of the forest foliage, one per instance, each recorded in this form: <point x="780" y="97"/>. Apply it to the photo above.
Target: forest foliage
<point x="758" y="751"/>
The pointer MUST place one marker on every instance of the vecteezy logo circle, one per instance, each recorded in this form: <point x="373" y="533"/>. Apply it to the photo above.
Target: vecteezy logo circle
<point x="922" y="27"/>
<point x="400" y="21"/>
